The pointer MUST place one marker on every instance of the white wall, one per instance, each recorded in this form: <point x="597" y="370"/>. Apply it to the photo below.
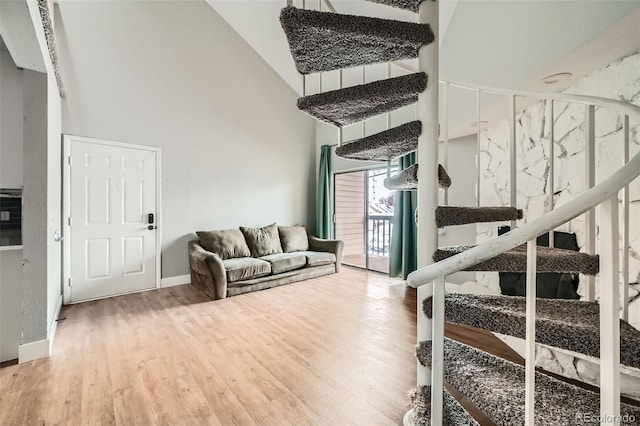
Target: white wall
<point x="34" y="211"/>
<point x="462" y="193"/>
<point x="618" y="80"/>
<point x="174" y="75"/>
<point x="11" y="95"/>
<point x="10" y="123"/>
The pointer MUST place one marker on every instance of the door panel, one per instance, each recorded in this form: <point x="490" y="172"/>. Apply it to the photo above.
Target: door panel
<point x="112" y="189"/>
<point x="350" y="217"/>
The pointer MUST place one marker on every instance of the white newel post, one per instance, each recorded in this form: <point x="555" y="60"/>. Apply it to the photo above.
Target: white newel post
<point x="427" y="110"/>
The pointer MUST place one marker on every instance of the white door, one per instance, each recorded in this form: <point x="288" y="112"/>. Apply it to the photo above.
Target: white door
<point x="112" y="220"/>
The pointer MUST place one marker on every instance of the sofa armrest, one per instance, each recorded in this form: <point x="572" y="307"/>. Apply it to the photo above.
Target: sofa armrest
<point x="207" y="271"/>
<point x="331" y="246"/>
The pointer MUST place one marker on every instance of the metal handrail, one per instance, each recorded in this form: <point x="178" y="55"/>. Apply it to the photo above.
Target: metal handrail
<point x="548" y="221"/>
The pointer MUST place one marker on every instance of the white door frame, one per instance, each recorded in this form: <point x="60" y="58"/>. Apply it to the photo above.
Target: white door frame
<point x="66" y="207"/>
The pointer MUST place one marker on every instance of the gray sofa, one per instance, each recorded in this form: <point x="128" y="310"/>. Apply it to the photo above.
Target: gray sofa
<point x="231" y="262"/>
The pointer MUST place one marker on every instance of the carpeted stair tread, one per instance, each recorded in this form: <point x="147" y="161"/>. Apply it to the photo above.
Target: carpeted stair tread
<point x="496" y="387"/>
<point x="451" y="216"/>
<point x="356" y="103"/>
<point x="411" y="5"/>
<point x="454" y="414"/>
<point x="566" y="324"/>
<point x="407" y="179"/>
<point x="383" y="146"/>
<point x="515" y="260"/>
<point x="325" y="41"/>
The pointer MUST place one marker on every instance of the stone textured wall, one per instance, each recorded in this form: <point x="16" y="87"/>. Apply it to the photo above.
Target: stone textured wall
<point x="618" y="80"/>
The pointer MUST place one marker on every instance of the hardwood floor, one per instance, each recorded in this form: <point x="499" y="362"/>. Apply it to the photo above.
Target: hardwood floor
<point x="336" y="350"/>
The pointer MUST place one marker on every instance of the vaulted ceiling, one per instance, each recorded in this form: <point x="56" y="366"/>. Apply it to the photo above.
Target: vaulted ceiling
<point x="509" y="44"/>
<point x="498" y="43"/>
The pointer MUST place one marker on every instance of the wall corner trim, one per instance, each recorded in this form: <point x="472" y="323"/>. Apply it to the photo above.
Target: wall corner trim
<point x="173" y="281"/>
<point x="54" y="324"/>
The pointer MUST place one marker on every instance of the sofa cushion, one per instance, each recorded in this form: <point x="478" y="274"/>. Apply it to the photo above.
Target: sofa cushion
<point x="262" y="241"/>
<point x="245" y="268"/>
<point x="317" y="258"/>
<point x="284" y="262"/>
<point x="227" y="244"/>
<point x="293" y="238"/>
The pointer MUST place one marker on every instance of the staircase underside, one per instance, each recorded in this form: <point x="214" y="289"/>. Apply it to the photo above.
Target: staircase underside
<point x="411" y="5"/>
<point x="407" y="179"/>
<point x="450" y="216"/>
<point x="454" y="414"/>
<point x="497" y="387"/>
<point x="383" y="146"/>
<point x="324" y="41"/>
<point x="356" y="103"/>
<point x="566" y="324"/>
<point x="515" y="260"/>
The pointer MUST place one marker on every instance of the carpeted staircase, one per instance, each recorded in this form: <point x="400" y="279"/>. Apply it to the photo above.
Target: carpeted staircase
<point x="324" y="41"/>
<point x="496" y="387"/>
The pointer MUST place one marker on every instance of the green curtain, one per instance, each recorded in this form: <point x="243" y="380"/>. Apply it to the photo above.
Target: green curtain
<point x="403" y="256"/>
<point x="324" y="218"/>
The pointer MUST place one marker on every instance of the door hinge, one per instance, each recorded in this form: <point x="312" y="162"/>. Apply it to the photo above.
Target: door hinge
<point x="69" y="221"/>
<point x="69" y="160"/>
<point x="334" y="218"/>
<point x="69" y="282"/>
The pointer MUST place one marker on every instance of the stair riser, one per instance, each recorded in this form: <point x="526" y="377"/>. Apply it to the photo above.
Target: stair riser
<point x="324" y="41"/>
<point x="383" y="146"/>
<point x="407" y="179"/>
<point x="548" y="260"/>
<point x="577" y="331"/>
<point x="452" y="216"/>
<point x="353" y="104"/>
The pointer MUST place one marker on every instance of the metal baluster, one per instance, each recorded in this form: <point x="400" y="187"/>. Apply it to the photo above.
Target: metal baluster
<point x="625" y="234"/>
<point x="590" y="178"/>
<point x="513" y="175"/>
<point x="552" y="168"/>
<point x="530" y="342"/>
<point x="609" y="311"/>
<point x="479" y="127"/>
<point x="445" y="147"/>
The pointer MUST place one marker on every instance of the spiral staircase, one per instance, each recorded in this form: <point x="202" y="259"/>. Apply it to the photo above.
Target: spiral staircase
<point x="507" y="393"/>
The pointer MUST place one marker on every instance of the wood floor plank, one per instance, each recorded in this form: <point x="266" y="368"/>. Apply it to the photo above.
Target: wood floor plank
<point x="335" y="350"/>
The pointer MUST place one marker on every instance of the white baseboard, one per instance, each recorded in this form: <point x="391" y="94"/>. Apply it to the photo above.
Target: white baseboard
<point x="34" y="350"/>
<point x="54" y="324"/>
<point x="41" y="348"/>
<point x="173" y="281"/>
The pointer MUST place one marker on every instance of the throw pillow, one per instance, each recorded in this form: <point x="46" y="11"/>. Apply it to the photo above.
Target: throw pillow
<point x="262" y="241"/>
<point x="227" y="244"/>
<point x="293" y="238"/>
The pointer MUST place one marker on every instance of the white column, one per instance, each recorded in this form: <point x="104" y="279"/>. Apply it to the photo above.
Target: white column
<point x="427" y="112"/>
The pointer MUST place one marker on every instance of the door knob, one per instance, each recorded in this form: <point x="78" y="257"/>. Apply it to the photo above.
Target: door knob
<point x="151" y="227"/>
